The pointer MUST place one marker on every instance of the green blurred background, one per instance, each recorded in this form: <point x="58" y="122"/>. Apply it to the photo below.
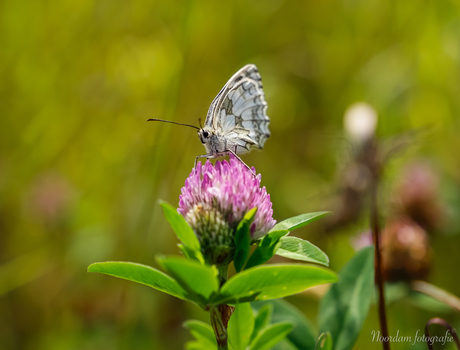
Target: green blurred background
<point x="81" y="172"/>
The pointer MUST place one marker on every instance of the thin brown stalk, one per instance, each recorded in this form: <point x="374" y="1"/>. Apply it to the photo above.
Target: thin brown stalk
<point x="220" y="315"/>
<point x="374" y="221"/>
<point x="443" y="323"/>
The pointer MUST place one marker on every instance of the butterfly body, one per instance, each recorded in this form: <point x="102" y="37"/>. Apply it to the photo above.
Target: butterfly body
<point x="236" y="121"/>
<point x="218" y="144"/>
<point x="214" y="143"/>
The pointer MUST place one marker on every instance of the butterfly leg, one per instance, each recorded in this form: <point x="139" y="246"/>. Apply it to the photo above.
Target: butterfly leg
<point x="234" y="153"/>
<point x="203" y="156"/>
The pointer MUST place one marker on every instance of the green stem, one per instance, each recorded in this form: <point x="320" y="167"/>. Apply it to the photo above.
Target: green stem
<point x="220" y="315"/>
<point x="223" y="273"/>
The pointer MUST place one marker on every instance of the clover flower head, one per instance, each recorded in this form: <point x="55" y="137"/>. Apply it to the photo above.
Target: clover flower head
<point x="214" y="200"/>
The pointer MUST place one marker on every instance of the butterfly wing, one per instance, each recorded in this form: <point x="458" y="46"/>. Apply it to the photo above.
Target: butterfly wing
<point x="239" y="111"/>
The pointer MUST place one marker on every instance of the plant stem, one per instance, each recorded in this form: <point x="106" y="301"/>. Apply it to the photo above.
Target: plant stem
<point x="374" y="220"/>
<point x="219" y="322"/>
<point x="445" y="324"/>
<point x="220" y="315"/>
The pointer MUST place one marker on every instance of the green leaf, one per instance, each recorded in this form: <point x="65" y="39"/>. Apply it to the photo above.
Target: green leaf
<point x="142" y="274"/>
<point x="266" y="248"/>
<point x="273" y="281"/>
<point x="200" y="281"/>
<point x="299" y="249"/>
<point x="197" y="345"/>
<point x="426" y="302"/>
<point x="191" y="254"/>
<point x="285" y="344"/>
<point x="271" y="335"/>
<point x="324" y="342"/>
<point x="240" y="326"/>
<point x="344" y="308"/>
<point x="184" y="251"/>
<point x="299" y="221"/>
<point x="220" y="299"/>
<point x="243" y="240"/>
<point x="202" y="332"/>
<point x="304" y="334"/>
<point x="262" y="319"/>
<point x="180" y="227"/>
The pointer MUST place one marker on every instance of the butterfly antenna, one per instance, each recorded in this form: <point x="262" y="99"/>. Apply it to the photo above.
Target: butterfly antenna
<point x="199" y="122"/>
<point x="167" y="121"/>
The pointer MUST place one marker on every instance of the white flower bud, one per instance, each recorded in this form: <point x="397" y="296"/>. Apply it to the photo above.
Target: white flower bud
<point x="360" y="121"/>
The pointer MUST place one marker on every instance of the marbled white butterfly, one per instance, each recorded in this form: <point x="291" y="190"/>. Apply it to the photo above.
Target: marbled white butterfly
<point x="236" y="121"/>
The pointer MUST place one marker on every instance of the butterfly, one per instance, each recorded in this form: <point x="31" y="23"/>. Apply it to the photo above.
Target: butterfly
<point x="236" y="121"/>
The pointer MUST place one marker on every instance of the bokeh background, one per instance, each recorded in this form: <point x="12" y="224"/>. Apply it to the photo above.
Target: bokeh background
<point x="81" y="172"/>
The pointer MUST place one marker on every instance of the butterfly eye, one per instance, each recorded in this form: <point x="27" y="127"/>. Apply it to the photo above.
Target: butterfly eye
<point x="205" y="134"/>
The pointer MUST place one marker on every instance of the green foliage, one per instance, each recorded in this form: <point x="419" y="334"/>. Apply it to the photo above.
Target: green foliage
<point x="191" y="254"/>
<point x="197" y="345"/>
<point x="263" y="318"/>
<point x="342" y="312"/>
<point x="141" y="274"/>
<point x="299" y="249"/>
<point x="200" y="281"/>
<point x="267" y="247"/>
<point x="299" y="221"/>
<point x="203" y="333"/>
<point x="324" y="342"/>
<point x="273" y="281"/>
<point x="432" y="297"/>
<point x="245" y="331"/>
<point x="284" y="345"/>
<point x="199" y="284"/>
<point x="304" y="334"/>
<point x="243" y="240"/>
<point x="428" y="303"/>
<point x="191" y="245"/>
<point x="271" y="335"/>
<point x="241" y="326"/>
<point x="344" y="308"/>
<point x="275" y="242"/>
